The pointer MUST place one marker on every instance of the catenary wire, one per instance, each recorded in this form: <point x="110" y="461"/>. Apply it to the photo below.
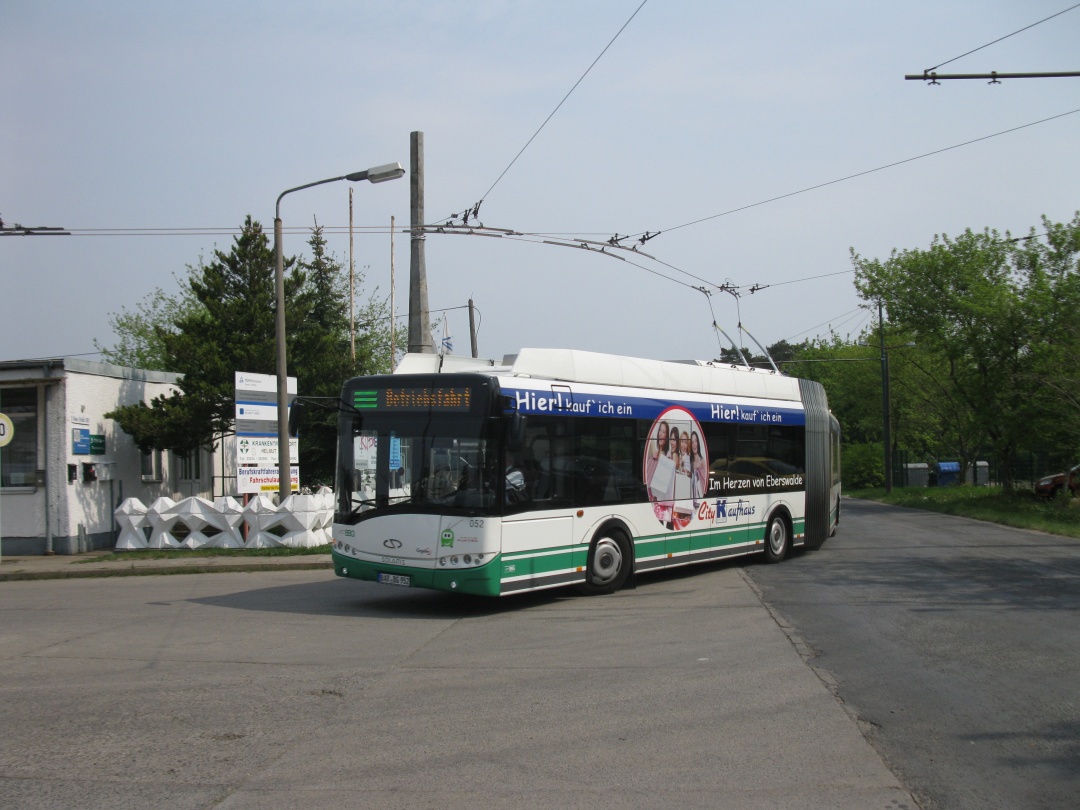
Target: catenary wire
<point x="863" y="173"/>
<point x="999" y="39"/>
<point x="610" y="255"/>
<point x="382" y="229"/>
<point x="572" y="89"/>
<point x="808" y="278"/>
<point x="847" y="314"/>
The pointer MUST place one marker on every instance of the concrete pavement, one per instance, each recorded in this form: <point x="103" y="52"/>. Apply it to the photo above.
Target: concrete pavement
<point x="284" y="688"/>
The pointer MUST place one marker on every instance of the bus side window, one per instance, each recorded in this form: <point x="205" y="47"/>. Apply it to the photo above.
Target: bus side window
<point x="537" y="463"/>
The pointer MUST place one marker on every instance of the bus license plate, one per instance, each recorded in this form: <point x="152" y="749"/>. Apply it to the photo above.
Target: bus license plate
<point x="395" y="579"/>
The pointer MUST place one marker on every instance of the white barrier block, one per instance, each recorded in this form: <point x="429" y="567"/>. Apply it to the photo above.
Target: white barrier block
<point x="197" y="514"/>
<point x="301" y="518"/>
<point x="131" y="518"/>
<point x="261" y="515"/>
<point x="162" y="517"/>
<point x="228" y="520"/>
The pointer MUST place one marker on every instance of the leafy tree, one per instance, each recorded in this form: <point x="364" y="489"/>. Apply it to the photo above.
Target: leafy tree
<point x="1051" y="270"/>
<point x="780" y="352"/>
<point x="228" y="326"/>
<point x="322" y="352"/>
<point x="992" y="326"/>
<point x="224" y="320"/>
<point x="139" y="342"/>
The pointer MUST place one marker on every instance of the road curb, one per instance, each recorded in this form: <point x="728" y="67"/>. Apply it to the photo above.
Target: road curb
<point x="147" y="570"/>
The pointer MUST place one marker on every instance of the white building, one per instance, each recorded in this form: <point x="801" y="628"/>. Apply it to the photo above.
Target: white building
<point x="67" y="467"/>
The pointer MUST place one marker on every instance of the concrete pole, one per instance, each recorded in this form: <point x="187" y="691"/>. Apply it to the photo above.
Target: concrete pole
<point x="419" y="323"/>
<point x="352" y="287"/>
<point x="393" y="304"/>
<point x="472" y="327"/>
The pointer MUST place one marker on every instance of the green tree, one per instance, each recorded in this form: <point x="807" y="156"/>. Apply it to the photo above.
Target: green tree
<point x="321" y="352"/>
<point x="780" y="352"/>
<point x="852" y="376"/>
<point x="224" y="320"/>
<point x="139" y="342"/>
<point x="991" y="323"/>
<point x="1050" y="264"/>
<point x="228" y="325"/>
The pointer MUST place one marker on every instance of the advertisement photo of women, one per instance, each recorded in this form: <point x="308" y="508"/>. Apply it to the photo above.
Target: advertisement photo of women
<point x="676" y="467"/>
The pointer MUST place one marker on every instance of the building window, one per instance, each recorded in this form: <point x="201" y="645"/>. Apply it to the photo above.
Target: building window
<point x="190" y="466"/>
<point x="152" y="466"/>
<point x="18" y="461"/>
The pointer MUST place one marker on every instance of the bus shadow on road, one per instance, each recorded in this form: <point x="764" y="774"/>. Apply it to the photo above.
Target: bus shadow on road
<point x="340" y="597"/>
<point x="354" y="598"/>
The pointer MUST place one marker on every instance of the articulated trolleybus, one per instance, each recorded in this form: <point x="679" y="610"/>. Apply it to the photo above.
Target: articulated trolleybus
<point x="562" y="467"/>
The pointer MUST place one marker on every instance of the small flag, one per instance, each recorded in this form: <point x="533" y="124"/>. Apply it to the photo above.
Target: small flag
<point x="447" y="340"/>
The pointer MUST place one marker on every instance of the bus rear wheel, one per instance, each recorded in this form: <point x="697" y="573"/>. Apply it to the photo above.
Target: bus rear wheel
<point x="609" y="562"/>
<point x="777" y="539"/>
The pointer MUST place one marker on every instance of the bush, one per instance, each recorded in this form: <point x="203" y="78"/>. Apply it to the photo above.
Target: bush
<point x="862" y="466"/>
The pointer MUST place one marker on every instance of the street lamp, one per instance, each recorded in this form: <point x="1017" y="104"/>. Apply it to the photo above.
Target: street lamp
<point x="378" y="174"/>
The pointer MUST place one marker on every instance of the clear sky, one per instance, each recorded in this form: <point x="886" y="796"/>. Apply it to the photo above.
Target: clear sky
<point x="152" y="115"/>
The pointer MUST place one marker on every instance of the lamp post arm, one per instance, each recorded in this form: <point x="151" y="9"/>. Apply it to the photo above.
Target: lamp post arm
<point x="376" y="174"/>
<point x="277" y="206"/>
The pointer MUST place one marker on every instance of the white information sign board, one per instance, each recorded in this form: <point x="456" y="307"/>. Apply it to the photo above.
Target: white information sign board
<point x="257" y="433"/>
<point x="253" y="480"/>
<point x="262" y="451"/>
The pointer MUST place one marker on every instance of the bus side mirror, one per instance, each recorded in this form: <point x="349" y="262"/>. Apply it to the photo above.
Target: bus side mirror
<point x="515" y="432"/>
<point x="296" y="410"/>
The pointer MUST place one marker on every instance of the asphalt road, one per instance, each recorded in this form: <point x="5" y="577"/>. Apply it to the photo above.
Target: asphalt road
<point x="297" y="689"/>
<point x="956" y="643"/>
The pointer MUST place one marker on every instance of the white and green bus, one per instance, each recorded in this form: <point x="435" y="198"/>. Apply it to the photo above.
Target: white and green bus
<point x="562" y="467"/>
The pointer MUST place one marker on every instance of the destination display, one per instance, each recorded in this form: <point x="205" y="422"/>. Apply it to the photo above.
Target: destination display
<point x="444" y="399"/>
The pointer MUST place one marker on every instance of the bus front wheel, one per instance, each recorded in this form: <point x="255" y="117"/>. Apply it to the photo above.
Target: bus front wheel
<point x="777" y="539"/>
<point x="609" y="563"/>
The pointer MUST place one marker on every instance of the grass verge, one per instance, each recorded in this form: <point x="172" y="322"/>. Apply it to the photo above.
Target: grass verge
<point x="1021" y="510"/>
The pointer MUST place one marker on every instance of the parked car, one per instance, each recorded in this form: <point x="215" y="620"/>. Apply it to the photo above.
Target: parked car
<point x="1051" y="485"/>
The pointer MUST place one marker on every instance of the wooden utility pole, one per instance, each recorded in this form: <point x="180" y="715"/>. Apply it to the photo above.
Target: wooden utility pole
<point x="419" y="324"/>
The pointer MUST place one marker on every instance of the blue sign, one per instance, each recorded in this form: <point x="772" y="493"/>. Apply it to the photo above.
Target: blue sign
<point x="80" y="441"/>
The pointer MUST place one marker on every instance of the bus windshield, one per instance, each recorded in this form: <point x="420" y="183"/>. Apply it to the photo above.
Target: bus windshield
<point x="439" y="465"/>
